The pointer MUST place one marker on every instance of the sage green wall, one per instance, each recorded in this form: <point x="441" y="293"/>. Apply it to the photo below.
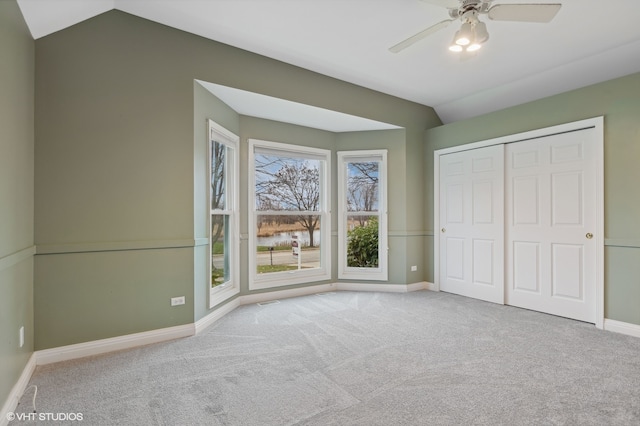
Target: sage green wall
<point x="619" y="102"/>
<point x="403" y="250"/>
<point x="205" y="106"/>
<point x="16" y="194"/>
<point x="113" y="293"/>
<point x="407" y="227"/>
<point x="116" y="163"/>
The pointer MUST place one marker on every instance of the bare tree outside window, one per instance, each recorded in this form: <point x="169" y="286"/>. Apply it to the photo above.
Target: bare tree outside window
<point x="289" y="217"/>
<point x="362" y="188"/>
<point x="217" y="193"/>
<point x="289" y="184"/>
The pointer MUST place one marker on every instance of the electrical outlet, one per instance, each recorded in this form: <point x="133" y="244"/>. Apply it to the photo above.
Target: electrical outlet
<point x="414" y="268"/>
<point x="175" y="301"/>
<point x="21" y="336"/>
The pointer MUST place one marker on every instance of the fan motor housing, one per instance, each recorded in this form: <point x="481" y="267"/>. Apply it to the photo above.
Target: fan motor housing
<point x="478" y="6"/>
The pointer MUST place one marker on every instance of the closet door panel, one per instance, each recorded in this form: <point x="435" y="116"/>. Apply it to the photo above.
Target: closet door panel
<point x="472" y="223"/>
<point x="550" y="187"/>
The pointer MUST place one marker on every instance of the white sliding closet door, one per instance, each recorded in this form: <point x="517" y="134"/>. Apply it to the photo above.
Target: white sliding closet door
<point x="472" y="223"/>
<point x="551" y="217"/>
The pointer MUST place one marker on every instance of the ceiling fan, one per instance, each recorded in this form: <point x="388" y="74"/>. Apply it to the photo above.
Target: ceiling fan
<point x="473" y="33"/>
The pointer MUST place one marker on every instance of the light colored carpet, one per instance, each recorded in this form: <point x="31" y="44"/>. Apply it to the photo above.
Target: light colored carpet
<point x="350" y="358"/>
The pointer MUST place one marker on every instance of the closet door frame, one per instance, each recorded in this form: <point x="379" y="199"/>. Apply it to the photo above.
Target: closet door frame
<point x="596" y="123"/>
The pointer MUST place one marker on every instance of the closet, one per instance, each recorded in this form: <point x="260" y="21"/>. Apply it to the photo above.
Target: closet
<point x="519" y="220"/>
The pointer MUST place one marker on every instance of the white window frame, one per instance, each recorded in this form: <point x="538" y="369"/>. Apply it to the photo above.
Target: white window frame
<point x="279" y="279"/>
<point x="230" y="288"/>
<point x="381" y="273"/>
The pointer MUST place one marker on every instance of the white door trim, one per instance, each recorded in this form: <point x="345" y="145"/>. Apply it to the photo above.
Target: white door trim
<point x="598" y="124"/>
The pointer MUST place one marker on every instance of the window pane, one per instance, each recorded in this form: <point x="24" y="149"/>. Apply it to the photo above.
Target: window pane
<point x="218" y="171"/>
<point x="287" y="184"/>
<point x="362" y="186"/>
<point x="220" y="250"/>
<point x="287" y="242"/>
<point x="362" y="241"/>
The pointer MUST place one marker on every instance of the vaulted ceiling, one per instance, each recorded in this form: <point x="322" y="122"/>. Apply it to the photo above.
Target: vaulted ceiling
<point x="589" y="41"/>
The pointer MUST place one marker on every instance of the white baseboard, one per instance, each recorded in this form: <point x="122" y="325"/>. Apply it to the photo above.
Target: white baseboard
<point x="387" y="288"/>
<point x="285" y="294"/>
<point x="431" y="286"/>
<point x="424" y="285"/>
<point x="214" y="316"/>
<point x="97" y="347"/>
<point x="248" y="299"/>
<point x="18" y="389"/>
<point x="622" y="327"/>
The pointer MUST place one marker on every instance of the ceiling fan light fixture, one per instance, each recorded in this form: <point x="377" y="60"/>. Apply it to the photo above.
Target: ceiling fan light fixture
<point x="473" y="47"/>
<point x="464" y="35"/>
<point x="480" y="32"/>
<point x="473" y="33"/>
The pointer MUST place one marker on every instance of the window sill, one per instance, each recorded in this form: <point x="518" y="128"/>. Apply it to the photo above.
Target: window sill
<point x="219" y="295"/>
<point x="282" y="279"/>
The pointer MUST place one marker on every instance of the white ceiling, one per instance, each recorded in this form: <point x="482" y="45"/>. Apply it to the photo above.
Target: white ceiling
<point x="270" y="108"/>
<point x="588" y="41"/>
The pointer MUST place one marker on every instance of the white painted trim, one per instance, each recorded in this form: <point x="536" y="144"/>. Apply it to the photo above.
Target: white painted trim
<point x="531" y="134"/>
<point x="381" y="273"/>
<point x="430" y="286"/>
<point x="220" y="294"/>
<point x="18" y="389"/>
<point x="96" y="347"/>
<point x="386" y="288"/>
<point x="222" y="132"/>
<point x="622" y="327"/>
<point x="249" y="299"/>
<point x="214" y="316"/>
<point x="436" y="220"/>
<point x="218" y="134"/>
<point x="599" y="233"/>
<point x="417" y="286"/>
<point x="299" y="276"/>
<point x="201" y="242"/>
<point x="17" y="257"/>
<point x="596" y="123"/>
<point x="285" y="294"/>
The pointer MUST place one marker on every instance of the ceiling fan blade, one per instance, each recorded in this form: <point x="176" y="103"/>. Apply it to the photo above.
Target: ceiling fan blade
<point x="524" y="12"/>
<point x="417" y="37"/>
<point x="449" y="4"/>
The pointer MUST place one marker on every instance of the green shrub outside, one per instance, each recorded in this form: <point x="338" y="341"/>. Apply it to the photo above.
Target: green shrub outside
<point x="362" y="246"/>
